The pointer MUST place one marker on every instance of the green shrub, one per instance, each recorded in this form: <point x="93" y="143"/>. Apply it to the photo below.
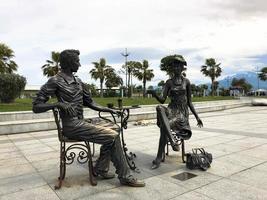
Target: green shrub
<point x="11" y="86"/>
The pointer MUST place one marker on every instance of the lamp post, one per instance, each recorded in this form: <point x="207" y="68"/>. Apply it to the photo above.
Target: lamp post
<point x="125" y="55"/>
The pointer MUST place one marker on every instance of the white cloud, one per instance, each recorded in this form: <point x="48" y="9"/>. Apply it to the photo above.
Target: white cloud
<point x="230" y="31"/>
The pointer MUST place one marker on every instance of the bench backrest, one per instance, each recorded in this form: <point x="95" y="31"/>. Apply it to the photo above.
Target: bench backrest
<point x="58" y="123"/>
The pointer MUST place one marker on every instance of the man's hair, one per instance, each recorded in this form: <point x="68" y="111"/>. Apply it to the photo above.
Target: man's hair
<point x="66" y="56"/>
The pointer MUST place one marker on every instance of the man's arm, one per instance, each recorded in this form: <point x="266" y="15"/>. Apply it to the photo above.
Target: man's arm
<point x="89" y="102"/>
<point x="43" y="95"/>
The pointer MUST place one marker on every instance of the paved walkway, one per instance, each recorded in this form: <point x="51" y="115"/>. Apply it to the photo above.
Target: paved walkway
<point x="237" y="138"/>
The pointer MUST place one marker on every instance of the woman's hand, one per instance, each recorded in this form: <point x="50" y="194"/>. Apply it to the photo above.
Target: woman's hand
<point x="199" y="122"/>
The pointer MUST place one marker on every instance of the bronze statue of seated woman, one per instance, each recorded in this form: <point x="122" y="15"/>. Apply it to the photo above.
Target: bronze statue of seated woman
<point x="175" y="117"/>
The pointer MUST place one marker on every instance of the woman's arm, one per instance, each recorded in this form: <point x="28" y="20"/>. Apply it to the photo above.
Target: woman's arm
<point x="190" y="104"/>
<point x="162" y="98"/>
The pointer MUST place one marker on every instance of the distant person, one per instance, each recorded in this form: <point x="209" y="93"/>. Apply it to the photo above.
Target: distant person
<point x="72" y="96"/>
<point x="175" y="117"/>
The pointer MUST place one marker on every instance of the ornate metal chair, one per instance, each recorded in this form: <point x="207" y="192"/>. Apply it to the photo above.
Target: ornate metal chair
<point x="67" y="153"/>
<point x="179" y="139"/>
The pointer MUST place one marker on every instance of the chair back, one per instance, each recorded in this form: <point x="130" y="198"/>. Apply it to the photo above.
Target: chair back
<point x="58" y="123"/>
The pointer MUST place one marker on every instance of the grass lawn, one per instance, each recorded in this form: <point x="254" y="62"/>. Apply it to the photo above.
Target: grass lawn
<point x="26" y="104"/>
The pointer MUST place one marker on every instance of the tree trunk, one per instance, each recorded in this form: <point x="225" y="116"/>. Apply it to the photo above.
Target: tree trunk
<point x="129" y="85"/>
<point x="144" y="88"/>
<point x="212" y="87"/>
<point x="101" y="88"/>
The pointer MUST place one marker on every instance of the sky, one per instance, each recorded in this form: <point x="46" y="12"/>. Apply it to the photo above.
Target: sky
<point x="234" y="32"/>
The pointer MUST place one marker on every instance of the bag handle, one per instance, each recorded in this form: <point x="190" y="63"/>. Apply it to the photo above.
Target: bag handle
<point x="201" y="150"/>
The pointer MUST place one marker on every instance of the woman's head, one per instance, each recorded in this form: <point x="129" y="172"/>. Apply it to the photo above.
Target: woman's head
<point x="173" y="64"/>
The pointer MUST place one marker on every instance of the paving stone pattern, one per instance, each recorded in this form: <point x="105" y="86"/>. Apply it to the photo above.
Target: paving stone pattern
<point x="237" y="138"/>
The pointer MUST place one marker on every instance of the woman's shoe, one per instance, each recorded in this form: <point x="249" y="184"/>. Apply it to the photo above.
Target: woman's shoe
<point x="175" y="147"/>
<point x="155" y="164"/>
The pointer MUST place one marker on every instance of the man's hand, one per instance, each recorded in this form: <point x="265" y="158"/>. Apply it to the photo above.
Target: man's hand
<point x="66" y="108"/>
<point x="116" y="112"/>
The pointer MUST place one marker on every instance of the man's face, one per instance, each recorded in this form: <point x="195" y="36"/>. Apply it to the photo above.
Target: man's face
<point x="75" y="63"/>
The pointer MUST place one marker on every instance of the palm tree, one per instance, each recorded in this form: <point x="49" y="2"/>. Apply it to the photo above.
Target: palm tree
<point x="212" y="70"/>
<point x="263" y="74"/>
<point x="143" y="74"/>
<point x="113" y="79"/>
<point x="131" y="67"/>
<point x="6" y="64"/>
<point x="51" y="68"/>
<point x="101" y="71"/>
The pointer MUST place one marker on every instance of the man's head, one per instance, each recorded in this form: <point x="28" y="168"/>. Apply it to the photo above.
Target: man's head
<point x="69" y="60"/>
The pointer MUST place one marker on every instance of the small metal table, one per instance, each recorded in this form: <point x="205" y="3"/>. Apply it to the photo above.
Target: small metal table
<point x="125" y="114"/>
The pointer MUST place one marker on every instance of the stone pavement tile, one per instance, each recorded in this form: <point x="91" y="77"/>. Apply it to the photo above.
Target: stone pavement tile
<point x="47" y="140"/>
<point x="79" y="186"/>
<point x="224" y="168"/>
<point x="249" y="142"/>
<point x="240" y="159"/>
<point x="112" y="194"/>
<point x="19" y="136"/>
<point x="13" y="161"/>
<point x="163" y="169"/>
<point x="27" y="142"/>
<point x="72" y="172"/>
<point x="55" y="145"/>
<point x="4" y="137"/>
<point x="42" y="165"/>
<point x="7" y="144"/>
<point x="39" y="150"/>
<point x="8" y="149"/>
<point x="255" y="178"/>
<point x="202" y="178"/>
<point x="226" y="189"/>
<point x="210" y="141"/>
<point x="232" y="136"/>
<point x="43" y="133"/>
<point x="18" y="183"/>
<point x="155" y="188"/>
<point x="8" y="155"/>
<point x="261" y="167"/>
<point x="11" y="171"/>
<point x="42" y="156"/>
<point x="257" y="152"/>
<point x="31" y="146"/>
<point x="227" y="148"/>
<point x="192" y="196"/>
<point x="39" y="193"/>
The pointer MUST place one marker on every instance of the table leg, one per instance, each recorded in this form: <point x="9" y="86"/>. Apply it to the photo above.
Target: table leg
<point x="129" y="156"/>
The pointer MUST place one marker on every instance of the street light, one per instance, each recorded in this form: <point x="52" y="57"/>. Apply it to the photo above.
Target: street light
<point x="125" y="55"/>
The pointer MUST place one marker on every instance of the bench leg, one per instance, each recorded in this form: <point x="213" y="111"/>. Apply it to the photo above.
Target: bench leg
<point x="90" y="166"/>
<point x="62" y="166"/>
<point x="183" y="150"/>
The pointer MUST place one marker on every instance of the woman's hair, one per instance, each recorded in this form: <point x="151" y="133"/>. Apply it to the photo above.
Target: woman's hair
<point x="66" y="56"/>
<point x="166" y="63"/>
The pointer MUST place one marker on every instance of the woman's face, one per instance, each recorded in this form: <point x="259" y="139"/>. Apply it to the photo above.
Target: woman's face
<point x="178" y="68"/>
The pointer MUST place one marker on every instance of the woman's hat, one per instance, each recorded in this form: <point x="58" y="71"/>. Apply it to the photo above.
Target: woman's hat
<point x="166" y="62"/>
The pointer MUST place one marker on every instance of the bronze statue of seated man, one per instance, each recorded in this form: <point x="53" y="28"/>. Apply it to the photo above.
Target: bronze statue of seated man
<point x="175" y="117"/>
<point x="72" y="96"/>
